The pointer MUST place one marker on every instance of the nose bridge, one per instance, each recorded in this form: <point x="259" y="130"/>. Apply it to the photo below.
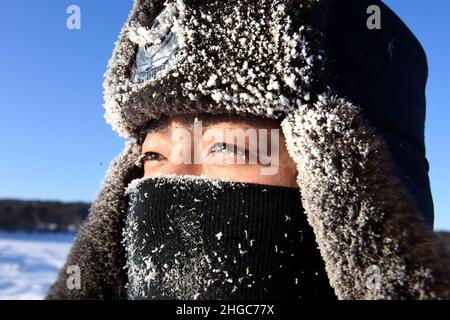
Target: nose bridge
<point x="186" y="169"/>
<point x="186" y="155"/>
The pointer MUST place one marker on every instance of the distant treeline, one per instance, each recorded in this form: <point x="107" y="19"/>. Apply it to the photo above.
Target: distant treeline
<point x="41" y="215"/>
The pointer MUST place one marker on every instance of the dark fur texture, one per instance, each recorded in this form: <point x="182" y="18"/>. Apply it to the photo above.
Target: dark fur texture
<point x="361" y="212"/>
<point x="129" y="104"/>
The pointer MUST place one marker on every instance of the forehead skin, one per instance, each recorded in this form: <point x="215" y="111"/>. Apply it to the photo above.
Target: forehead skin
<point x="187" y="120"/>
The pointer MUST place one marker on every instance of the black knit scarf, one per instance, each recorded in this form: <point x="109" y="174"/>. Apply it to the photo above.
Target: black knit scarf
<point x="195" y="238"/>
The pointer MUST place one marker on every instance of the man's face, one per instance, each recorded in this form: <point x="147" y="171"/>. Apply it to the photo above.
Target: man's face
<point x="220" y="147"/>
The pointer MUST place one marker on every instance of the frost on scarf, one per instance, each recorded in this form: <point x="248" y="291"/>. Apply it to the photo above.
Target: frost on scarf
<point x="186" y="273"/>
<point x="198" y="238"/>
<point x="244" y="56"/>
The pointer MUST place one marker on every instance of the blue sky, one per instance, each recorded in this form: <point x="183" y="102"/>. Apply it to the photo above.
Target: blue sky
<point x="55" y="142"/>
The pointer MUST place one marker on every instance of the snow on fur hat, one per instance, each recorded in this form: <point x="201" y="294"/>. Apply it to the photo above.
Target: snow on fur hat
<point x="238" y="56"/>
<point x="352" y="106"/>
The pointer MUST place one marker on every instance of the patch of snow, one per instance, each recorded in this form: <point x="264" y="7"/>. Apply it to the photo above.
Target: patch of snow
<point x="30" y="262"/>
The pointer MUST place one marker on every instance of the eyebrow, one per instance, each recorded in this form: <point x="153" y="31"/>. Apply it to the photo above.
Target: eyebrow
<point x="208" y="120"/>
<point x="158" y="125"/>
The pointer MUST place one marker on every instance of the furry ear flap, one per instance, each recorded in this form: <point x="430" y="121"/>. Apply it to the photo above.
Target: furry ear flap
<point x="374" y="242"/>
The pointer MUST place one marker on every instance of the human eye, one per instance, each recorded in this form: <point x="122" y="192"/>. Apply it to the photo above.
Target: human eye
<point x="222" y="152"/>
<point x="229" y="148"/>
<point x="151" y="156"/>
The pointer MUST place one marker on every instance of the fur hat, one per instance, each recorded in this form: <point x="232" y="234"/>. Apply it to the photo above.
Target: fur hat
<point x="352" y="104"/>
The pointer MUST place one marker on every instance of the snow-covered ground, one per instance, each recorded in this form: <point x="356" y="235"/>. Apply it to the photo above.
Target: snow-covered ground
<point x="29" y="263"/>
